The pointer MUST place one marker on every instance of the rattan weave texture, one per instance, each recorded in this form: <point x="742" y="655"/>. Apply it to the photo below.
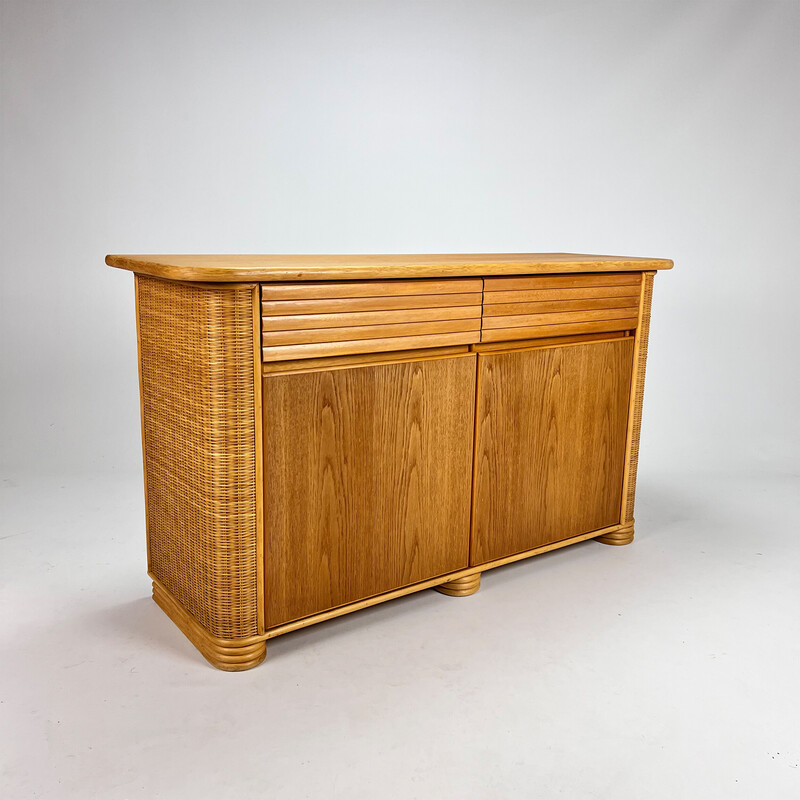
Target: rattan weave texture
<point x="199" y="427"/>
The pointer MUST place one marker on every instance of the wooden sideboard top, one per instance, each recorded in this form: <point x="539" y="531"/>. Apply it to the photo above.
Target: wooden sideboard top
<point x="242" y="268"/>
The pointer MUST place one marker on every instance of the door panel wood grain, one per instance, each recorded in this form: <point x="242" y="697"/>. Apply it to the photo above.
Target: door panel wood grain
<point x="550" y="445"/>
<point x="367" y="481"/>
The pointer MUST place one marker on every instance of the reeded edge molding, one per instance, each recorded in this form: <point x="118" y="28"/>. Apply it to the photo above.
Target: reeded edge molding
<point x="622" y="536"/>
<point x="461" y="587"/>
<point x="230" y="655"/>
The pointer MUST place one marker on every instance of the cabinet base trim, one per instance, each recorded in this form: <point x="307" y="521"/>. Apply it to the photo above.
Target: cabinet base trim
<point x="230" y="655"/>
<point x="236" y="655"/>
<point x="432" y="583"/>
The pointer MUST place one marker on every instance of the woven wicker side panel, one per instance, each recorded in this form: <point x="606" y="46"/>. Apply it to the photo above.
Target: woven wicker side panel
<point x="644" y="334"/>
<point x="196" y="350"/>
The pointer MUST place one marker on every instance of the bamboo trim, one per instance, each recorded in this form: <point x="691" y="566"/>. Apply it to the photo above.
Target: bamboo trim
<point x="475" y="426"/>
<point x="288" y="627"/>
<point x="259" y="458"/>
<point x="636" y="401"/>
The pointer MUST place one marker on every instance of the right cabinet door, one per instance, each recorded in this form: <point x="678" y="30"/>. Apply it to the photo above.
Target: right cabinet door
<point x="550" y="448"/>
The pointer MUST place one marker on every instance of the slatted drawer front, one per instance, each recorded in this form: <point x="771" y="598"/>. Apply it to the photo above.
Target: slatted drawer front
<point x="559" y="305"/>
<point x="309" y="320"/>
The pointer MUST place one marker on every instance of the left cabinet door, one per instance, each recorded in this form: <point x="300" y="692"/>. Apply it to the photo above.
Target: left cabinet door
<point x="367" y="480"/>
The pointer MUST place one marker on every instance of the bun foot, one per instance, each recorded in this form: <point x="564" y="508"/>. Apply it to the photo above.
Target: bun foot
<point x="622" y="536"/>
<point x="462" y="586"/>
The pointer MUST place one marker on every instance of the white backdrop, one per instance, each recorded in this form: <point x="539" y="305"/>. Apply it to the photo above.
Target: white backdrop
<point x="636" y="128"/>
<point x="662" y="670"/>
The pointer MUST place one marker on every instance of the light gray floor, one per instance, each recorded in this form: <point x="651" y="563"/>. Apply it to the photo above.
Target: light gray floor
<point x="667" y="669"/>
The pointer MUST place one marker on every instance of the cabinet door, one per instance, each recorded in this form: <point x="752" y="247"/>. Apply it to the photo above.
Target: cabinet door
<point x="367" y="480"/>
<point x="550" y="444"/>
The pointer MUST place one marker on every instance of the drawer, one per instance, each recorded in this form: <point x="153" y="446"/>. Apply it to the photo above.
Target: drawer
<point x="559" y="305"/>
<point x="310" y="320"/>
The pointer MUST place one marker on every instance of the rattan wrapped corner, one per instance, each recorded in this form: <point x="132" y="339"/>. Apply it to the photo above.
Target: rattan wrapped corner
<point x="200" y="454"/>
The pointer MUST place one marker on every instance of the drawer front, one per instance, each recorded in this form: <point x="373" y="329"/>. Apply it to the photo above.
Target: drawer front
<point x="309" y="320"/>
<point x="559" y="305"/>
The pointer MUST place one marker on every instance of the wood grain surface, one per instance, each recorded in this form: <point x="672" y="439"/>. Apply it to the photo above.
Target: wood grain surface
<point x="367" y="316"/>
<point x="235" y="268"/>
<point x="549" y="305"/>
<point x="562" y="329"/>
<point x="556" y="318"/>
<point x="534" y="295"/>
<point x="367" y="481"/>
<point x="554" y="341"/>
<point x="327" y="289"/>
<point x="291" y="352"/>
<point x="346" y="362"/>
<point x="347" y="305"/>
<point x="302" y="322"/>
<point x="494" y="309"/>
<point x="550" y="448"/>
<point x="560" y="281"/>
<point x="362" y="332"/>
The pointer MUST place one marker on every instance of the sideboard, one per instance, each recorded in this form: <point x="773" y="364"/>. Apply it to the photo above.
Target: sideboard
<point x="323" y="433"/>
